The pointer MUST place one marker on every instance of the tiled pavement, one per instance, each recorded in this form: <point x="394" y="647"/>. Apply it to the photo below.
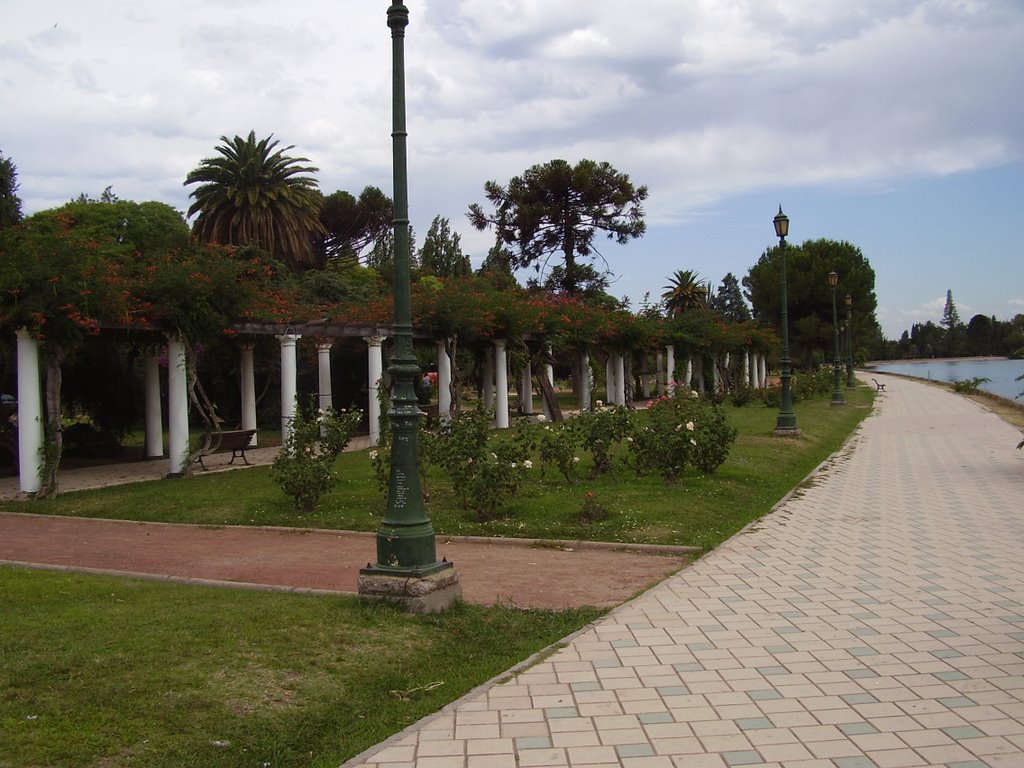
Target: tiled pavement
<point x="874" y="620"/>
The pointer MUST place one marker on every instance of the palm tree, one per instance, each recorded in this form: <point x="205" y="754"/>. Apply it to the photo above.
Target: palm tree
<point x="684" y="292"/>
<point x="253" y="194"/>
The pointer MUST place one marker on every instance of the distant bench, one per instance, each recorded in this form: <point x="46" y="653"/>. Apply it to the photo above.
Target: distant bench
<point x="878" y="387"/>
<point x="236" y="441"/>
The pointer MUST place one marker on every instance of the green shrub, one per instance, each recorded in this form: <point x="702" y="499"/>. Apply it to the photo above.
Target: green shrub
<point x="970" y="386"/>
<point x="303" y="468"/>
<point x="681" y="430"/>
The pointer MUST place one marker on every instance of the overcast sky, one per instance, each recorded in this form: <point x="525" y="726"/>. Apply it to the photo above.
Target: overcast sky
<point x="897" y="125"/>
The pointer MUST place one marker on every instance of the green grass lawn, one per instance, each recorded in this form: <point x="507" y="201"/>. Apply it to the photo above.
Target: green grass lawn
<point x="120" y="673"/>
<point x="97" y="671"/>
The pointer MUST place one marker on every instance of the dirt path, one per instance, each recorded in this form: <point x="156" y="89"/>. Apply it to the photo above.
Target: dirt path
<point x="490" y="571"/>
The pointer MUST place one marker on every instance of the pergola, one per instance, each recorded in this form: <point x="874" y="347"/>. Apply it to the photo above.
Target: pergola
<point x="495" y="390"/>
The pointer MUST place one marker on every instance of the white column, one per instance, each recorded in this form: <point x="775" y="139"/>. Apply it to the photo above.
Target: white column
<point x="375" y="371"/>
<point x="659" y="372"/>
<point x="154" y="414"/>
<point x="489" y="379"/>
<point x="746" y="365"/>
<point x="609" y="381"/>
<point x="247" y="384"/>
<point x="588" y="381"/>
<point x="763" y="371"/>
<point x="501" y="384"/>
<point x="444" y="383"/>
<point x="177" y="407"/>
<point x="526" y="387"/>
<point x="620" y="379"/>
<point x="289" y="385"/>
<point x="325" y="399"/>
<point x="716" y="376"/>
<point x="323" y="358"/>
<point x="30" y="413"/>
<point x="670" y="369"/>
<point x="689" y="371"/>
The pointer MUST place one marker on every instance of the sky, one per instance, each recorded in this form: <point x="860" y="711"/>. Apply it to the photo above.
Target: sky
<point x="895" y="125"/>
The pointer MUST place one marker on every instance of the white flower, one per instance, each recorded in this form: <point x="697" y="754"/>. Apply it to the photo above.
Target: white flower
<point x="513" y="465"/>
<point x="542" y="417"/>
<point x="599" y="403"/>
<point x="373" y="455"/>
<point x="678" y="427"/>
<point x="694" y="394"/>
<point x="575" y="459"/>
<point x="691" y="426"/>
<point x="692" y="441"/>
<point x="494" y="456"/>
<point x="629" y="439"/>
<point x="528" y="464"/>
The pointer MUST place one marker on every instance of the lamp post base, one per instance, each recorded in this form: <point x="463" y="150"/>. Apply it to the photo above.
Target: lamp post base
<point x="435" y="592"/>
<point x="786" y="432"/>
<point x="838" y="401"/>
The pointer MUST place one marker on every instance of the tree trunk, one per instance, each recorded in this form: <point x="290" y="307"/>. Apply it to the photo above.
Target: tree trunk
<point x="53" y="436"/>
<point x="451" y="345"/>
<point x="206" y="409"/>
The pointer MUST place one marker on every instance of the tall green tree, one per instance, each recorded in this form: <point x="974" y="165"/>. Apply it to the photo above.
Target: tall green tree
<point x="810" y="296"/>
<point x="953" y="326"/>
<point x="728" y="300"/>
<point x="353" y="225"/>
<point x="10" y="203"/>
<point x="442" y="254"/>
<point x="253" y="193"/>
<point x="497" y="267"/>
<point x="557" y="209"/>
<point x="685" y="291"/>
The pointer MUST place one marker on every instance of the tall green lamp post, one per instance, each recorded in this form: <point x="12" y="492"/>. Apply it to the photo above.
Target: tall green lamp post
<point x="837" y="372"/>
<point x="407" y="570"/>
<point x="785" y="423"/>
<point x="851" y="382"/>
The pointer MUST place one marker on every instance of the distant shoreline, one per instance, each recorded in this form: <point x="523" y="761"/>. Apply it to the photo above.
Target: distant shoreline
<point x="919" y="360"/>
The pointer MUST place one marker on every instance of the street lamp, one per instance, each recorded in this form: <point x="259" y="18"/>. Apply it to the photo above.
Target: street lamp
<point x="785" y="423"/>
<point x="407" y="571"/>
<point x="837" y="376"/>
<point x="851" y="383"/>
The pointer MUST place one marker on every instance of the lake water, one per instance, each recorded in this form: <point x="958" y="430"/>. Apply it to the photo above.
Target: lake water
<point x="1001" y="372"/>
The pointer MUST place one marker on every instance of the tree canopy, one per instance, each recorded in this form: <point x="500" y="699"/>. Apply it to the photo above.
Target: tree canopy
<point x="252" y="194"/>
<point x="441" y="253"/>
<point x="685" y="291"/>
<point x="352" y="225"/>
<point x="558" y="208"/>
<point x="810" y="296"/>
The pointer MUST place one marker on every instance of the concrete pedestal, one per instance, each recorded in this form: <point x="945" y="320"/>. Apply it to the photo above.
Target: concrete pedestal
<point x="433" y="593"/>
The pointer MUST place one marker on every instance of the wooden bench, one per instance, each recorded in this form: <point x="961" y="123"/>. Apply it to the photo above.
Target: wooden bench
<point x="878" y="387"/>
<point x="430" y="412"/>
<point x="236" y="441"/>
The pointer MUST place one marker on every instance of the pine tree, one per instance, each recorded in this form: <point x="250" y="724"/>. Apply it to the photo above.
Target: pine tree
<point x="954" y="327"/>
<point x="10" y="203"/>
<point x="728" y="300"/>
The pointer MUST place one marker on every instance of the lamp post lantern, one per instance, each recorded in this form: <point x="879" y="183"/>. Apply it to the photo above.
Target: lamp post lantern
<point x="851" y="382"/>
<point x="837" y="376"/>
<point x="407" y="570"/>
<point x="785" y="422"/>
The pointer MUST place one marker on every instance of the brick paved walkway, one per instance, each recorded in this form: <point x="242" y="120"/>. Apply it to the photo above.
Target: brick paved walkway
<point x="874" y="620"/>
